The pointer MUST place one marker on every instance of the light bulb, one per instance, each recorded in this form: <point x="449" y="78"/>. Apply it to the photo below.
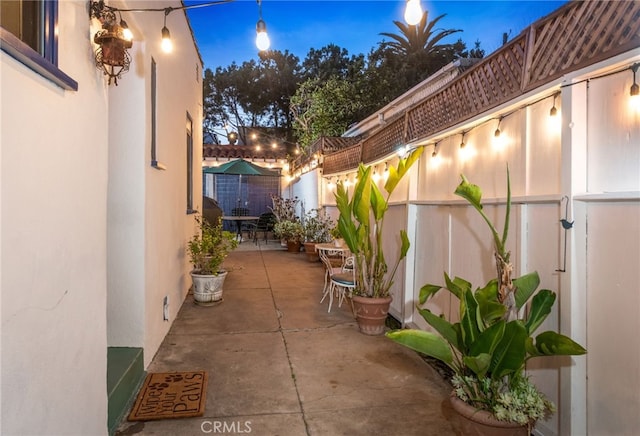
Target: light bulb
<point x="413" y="12"/>
<point x="262" y="39"/>
<point x="167" y="45"/>
<point x="126" y="32"/>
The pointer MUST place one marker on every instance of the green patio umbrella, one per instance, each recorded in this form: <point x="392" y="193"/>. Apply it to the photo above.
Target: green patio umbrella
<point x="240" y="167"/>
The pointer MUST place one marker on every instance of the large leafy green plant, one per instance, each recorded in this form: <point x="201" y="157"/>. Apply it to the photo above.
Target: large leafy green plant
<point x="490" y="345"/>
<point x="361" y="224"/>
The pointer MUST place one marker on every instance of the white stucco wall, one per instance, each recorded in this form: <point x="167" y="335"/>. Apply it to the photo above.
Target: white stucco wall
<point x="149" y="223"/>
<point x="53" y="241"/>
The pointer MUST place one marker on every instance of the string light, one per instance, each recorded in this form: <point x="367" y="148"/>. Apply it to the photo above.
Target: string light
<point x="553" y="111"/>
<point x="462" y="143"/>
<point x="413" y="12"/>
<point x="634" y="92"/>
<point x="262" y="38"/>
<point x="497" y="133"/>
<point x="635" y="89"/>
<point x="167" y="45"/>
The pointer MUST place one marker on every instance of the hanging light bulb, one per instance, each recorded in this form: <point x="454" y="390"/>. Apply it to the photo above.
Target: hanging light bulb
<point x="553" y="111"/>
<point x="462" y="143"/>
<point x="413" y="12"/>
<point x="126" y="32"/>
<point x="634" y="92"/>
<point x="167" y="45"/>
<point x="496" y="134"/>
<point x="635" y="89"/>
<point x="262" y="39"/>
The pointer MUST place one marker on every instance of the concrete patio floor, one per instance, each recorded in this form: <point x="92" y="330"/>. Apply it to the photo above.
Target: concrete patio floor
<point x="279" y="364"/>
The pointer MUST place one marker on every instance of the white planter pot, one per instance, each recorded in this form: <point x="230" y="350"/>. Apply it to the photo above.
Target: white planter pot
<point x="207" y="289"/>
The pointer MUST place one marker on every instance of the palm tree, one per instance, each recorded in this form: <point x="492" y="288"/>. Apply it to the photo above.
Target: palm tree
<point x="419" y="39"/>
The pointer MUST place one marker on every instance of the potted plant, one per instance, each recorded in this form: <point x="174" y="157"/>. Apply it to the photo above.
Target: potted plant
<point x="207" y="250"/>
<point x="292" y="232"/>
<point x="361" y="223"/>
<point x="284" y="208"/>
<point x="490" y="345"/>
<point x="317" y="230"/>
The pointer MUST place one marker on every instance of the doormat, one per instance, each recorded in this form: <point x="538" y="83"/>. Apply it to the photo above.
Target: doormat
<point x="171" y="395"/>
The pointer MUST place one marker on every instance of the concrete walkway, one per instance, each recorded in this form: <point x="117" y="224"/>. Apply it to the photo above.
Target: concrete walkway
<point x="279" y="364"/>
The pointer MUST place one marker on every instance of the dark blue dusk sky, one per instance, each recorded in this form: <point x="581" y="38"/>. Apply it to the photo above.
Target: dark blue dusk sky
<point x="226" y="32"/>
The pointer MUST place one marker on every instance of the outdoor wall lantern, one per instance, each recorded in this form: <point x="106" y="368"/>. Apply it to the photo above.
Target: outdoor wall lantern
<point x="113" y="40"/>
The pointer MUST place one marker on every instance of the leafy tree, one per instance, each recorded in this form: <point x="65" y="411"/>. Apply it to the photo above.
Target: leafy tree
<point x="251" y="95"/>
<point x="329" y="61"/>
<point x="421" y="48"/>
<point x="323" y="109"/>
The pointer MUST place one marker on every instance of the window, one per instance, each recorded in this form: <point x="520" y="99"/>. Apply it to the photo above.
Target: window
<point x="28" y="34"/>
<point x="189" y="164"/>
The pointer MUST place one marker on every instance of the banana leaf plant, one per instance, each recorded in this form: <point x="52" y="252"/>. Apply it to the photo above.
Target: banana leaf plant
<point x="361" y="223"/>
<point x="490" y="345"/>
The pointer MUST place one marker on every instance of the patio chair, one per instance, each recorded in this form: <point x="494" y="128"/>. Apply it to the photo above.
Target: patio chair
<point x="264" y="224"/>
<point x="339" y="280"/>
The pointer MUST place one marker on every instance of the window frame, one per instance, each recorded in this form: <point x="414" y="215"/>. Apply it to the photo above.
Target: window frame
<point x="45" y="64"/>
<point x="189" y="150"/>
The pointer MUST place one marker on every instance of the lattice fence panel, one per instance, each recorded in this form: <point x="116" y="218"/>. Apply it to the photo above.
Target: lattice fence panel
<point x="343" y="160"/>
<point x="384" y="142"/>
<point x="490" y="83"/>
<point x="580" y="35"/>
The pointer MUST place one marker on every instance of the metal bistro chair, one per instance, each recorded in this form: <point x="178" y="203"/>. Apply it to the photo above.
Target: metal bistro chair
<point x="265" y="224"/>
<point x="339" y="280"/>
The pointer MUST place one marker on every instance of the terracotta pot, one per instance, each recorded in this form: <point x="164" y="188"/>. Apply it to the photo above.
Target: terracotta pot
<point x="207" y="289"/>
<point x="474" y="422"/>
<point x="371" y="314"/>
<point x="310" y="250"/>
<point x="293" y="247"/>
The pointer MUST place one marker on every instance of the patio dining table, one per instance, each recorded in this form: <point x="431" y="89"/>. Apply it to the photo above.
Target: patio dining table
<point x="239" y="220"/>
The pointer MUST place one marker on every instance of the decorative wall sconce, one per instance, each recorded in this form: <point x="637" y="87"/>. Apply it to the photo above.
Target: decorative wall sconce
<point x="113" y="40"/>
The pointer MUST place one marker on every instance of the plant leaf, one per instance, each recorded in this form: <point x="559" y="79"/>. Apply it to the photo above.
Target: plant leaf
<point x="424" y="342"/>
<point x="509" y="355"/>
<point x="361" y="199"/>
<point x="378" y="204"/>
<point x="469" y="319"/>
<point x="551" y="343"/>
<point x="404" y="249"/>
<point x="541" y="306"/>
<point x="403" y="166"/>
<point x="442" y="326"/>
<point x="490" y="308"/>
<point x="457" y="286"/>
<point x="478" y="364"/>
<point x="488" y="340"/>
<point x="525" y="285"/>
<point x="427" y="291"/>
